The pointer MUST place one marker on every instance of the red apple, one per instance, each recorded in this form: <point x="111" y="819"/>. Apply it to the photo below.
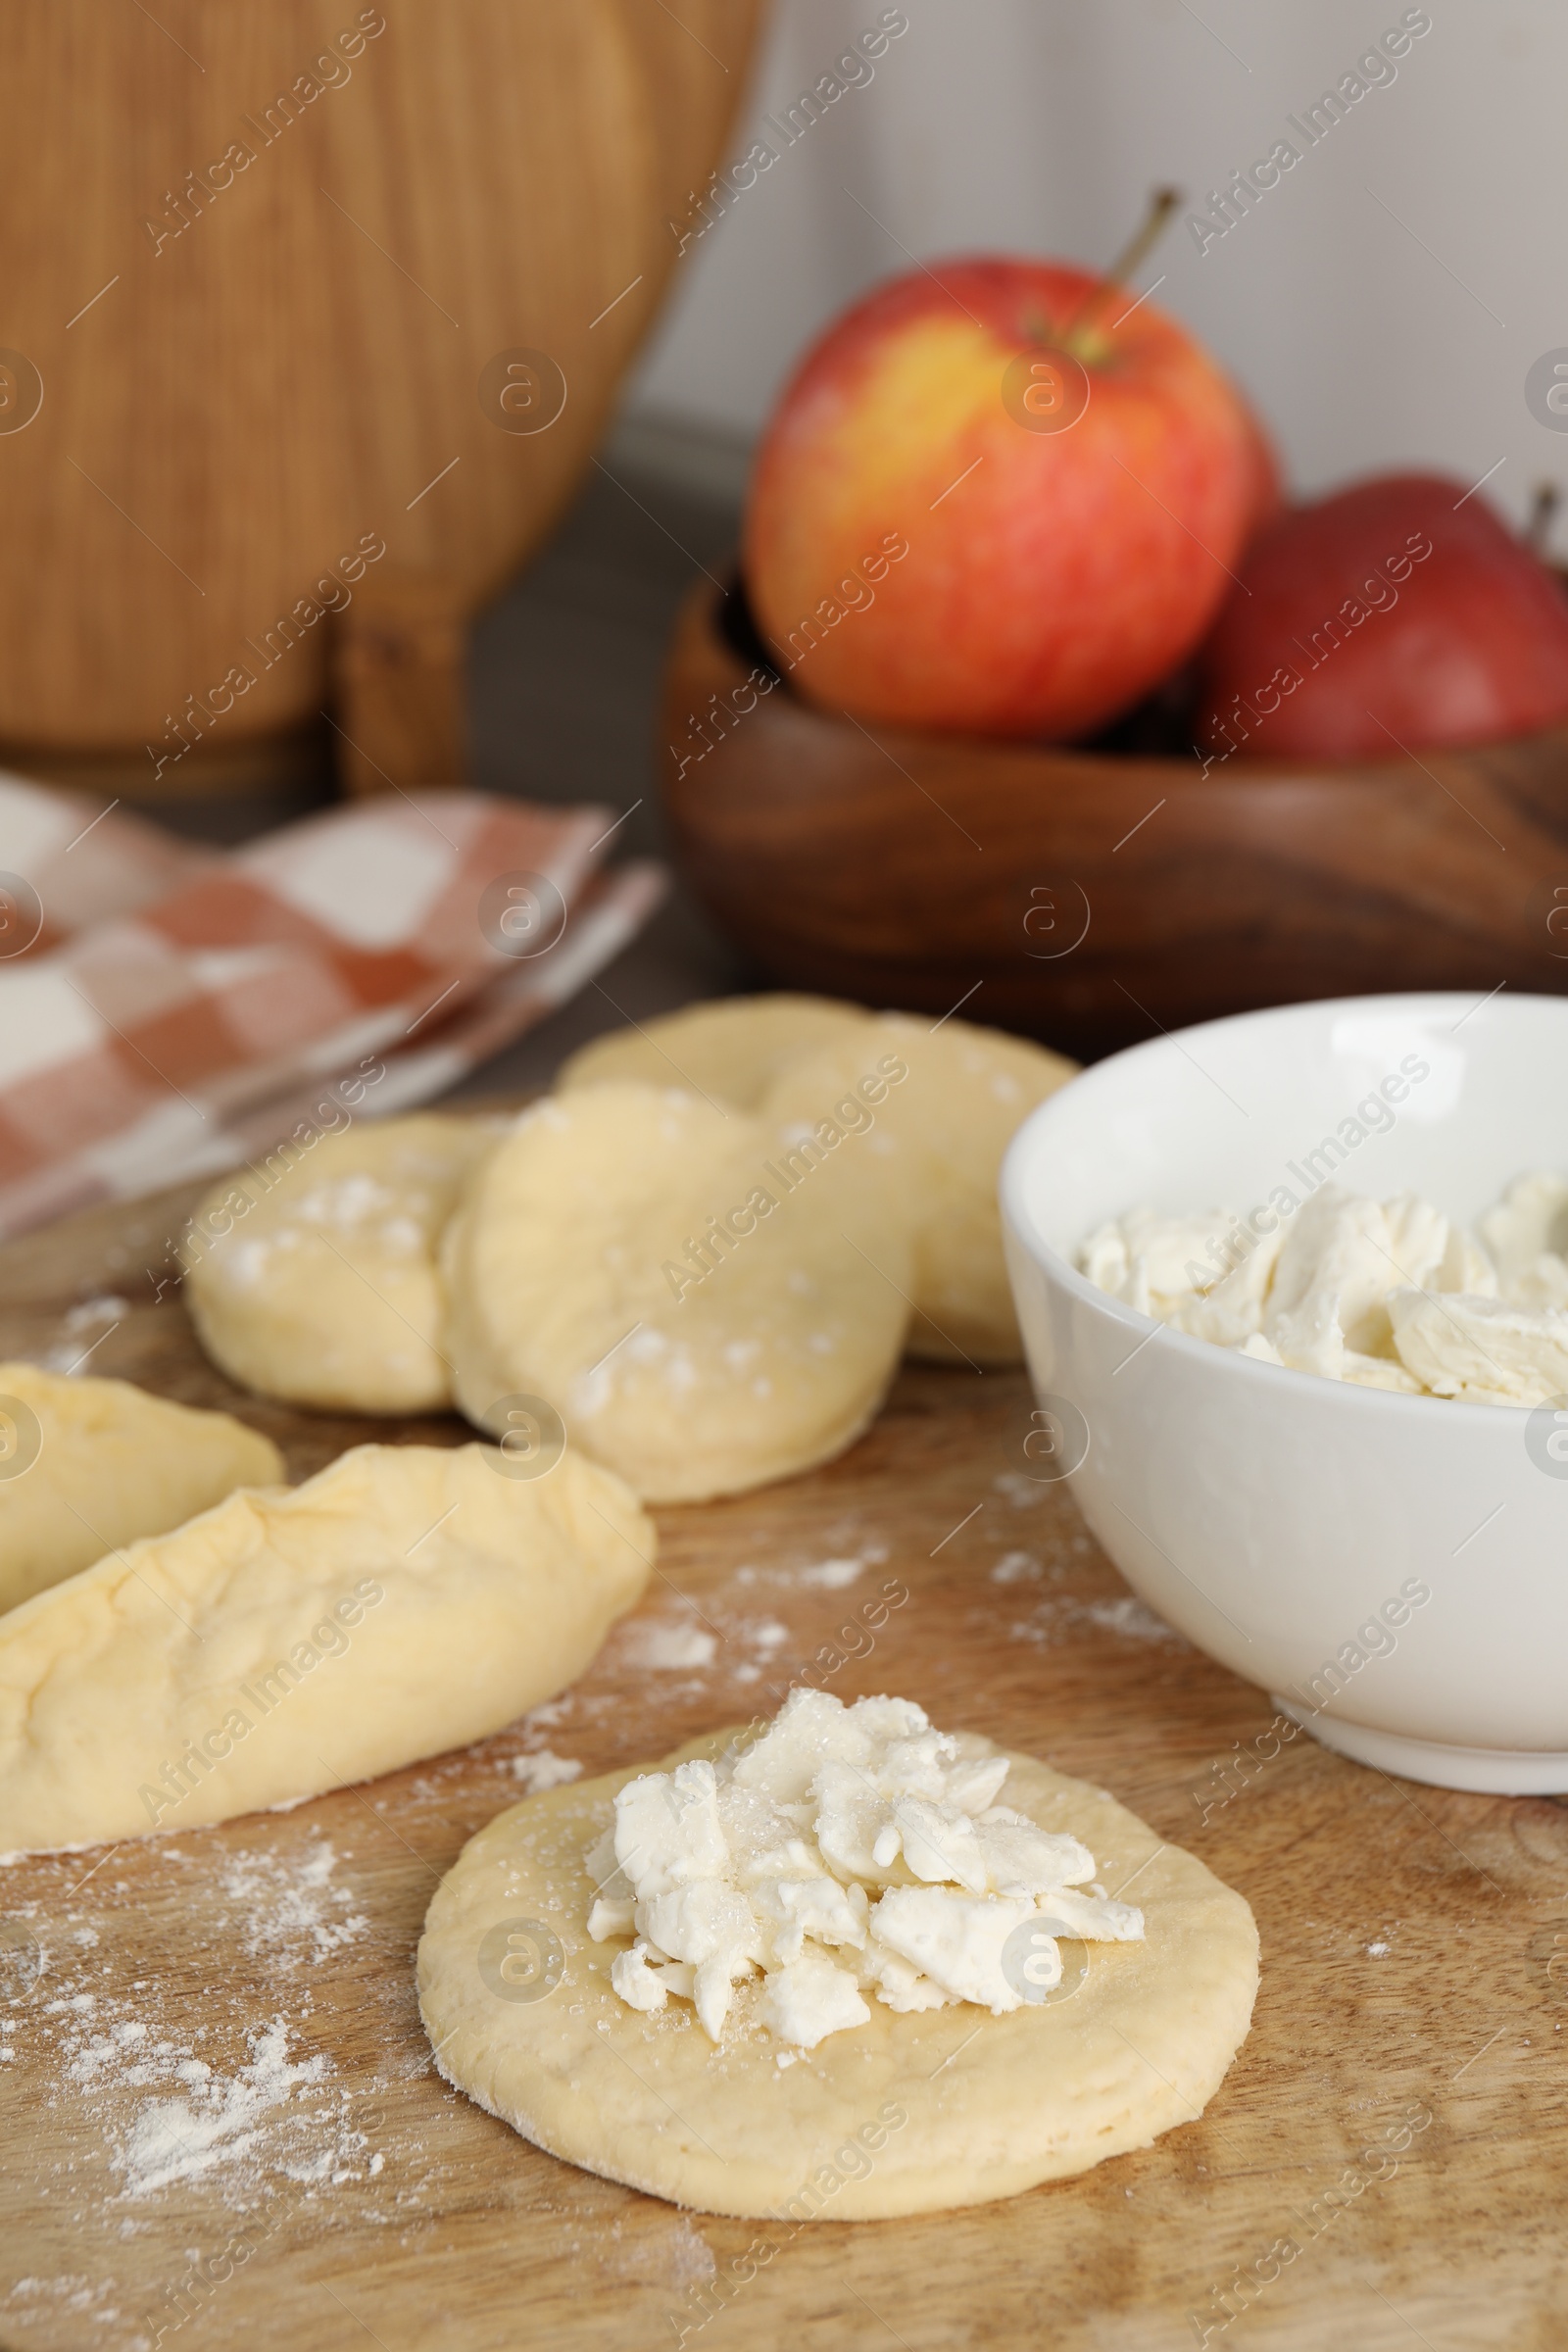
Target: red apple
<point x="1266" y="496"/>
<point x="940" y="532"/>
<point x="1400" y="610"/>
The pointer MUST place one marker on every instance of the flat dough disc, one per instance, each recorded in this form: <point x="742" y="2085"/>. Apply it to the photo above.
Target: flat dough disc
<point x="405" y="1601"/>
<point x="937" y="1147"/>
<point x="1141" y="2045"/>
<point x="571" y="1277"/>
<point x="89" y="1464"/>
<point x="321" y="1287"/>
<point x="731" y="1051"/>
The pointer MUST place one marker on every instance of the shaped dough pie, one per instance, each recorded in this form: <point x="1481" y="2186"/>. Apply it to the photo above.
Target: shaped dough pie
<point x="406" y="1600"/>
<point x="322" y="1288"/>
<point x="937" y="1153"/>
<point x="705" y="1314"/>
<point x="89" y="1464"/>
<point x="730" y="1051"/>
<point x="938" y="2107"/>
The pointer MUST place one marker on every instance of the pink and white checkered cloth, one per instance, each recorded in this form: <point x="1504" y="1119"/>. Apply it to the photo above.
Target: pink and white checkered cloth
<point x="168" y="1012"/>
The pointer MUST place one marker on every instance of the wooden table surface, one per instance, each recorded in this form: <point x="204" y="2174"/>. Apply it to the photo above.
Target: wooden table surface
<point x="1385" y="2165"/>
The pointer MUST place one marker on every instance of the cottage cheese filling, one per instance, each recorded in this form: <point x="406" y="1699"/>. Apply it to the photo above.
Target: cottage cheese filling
<point x="1389" y="1295"/>
<point x="848" y="1851"/>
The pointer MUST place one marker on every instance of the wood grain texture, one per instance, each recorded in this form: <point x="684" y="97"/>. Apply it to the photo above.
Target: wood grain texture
<point x="1099" y="897"/>
<point x="398" y="687"/>
<point x="230" y="404"/>
<point x="1413" y="1977"/>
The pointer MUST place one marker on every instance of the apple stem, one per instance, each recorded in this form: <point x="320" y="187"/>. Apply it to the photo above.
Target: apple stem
<point x="1161" y="204"/>
<point x="1546" y="501"/>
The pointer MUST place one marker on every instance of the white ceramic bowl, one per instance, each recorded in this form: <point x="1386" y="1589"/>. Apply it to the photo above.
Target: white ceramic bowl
<point x="1291" y="1525"/>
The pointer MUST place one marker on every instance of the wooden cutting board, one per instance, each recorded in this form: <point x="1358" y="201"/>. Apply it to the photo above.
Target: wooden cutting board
<point x="1414" y="2000"/>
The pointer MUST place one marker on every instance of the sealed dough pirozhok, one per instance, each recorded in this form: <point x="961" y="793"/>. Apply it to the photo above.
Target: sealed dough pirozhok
<point x="703" y="1317"/>
<point x="89" y="1464"/>
<point x="732" y="1050"/>
<point x="407" y="1599"/>
<point x="1029" y="2035"/>
<point x="938" y="1153"/>
<point x="324" y="1288"/>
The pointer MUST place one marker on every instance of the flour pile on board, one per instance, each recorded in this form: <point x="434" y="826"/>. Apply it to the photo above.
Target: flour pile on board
<point x="127" y="2060"/>
<point x="217" y="2122"/>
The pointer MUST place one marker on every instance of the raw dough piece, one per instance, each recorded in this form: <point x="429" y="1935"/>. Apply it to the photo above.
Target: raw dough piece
<point x="955" y="2106"/>
<point x="732" y="1050"/>
<point x="113" y="1465"/>
<point x="937" y="1151"/>
<point x="324" y="1288"/>
<point x="575" y="1273"/>
<point x="406" y="1600"/>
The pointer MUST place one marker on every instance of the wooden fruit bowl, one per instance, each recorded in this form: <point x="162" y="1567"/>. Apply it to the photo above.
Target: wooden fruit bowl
<point x="1091" y="894"/>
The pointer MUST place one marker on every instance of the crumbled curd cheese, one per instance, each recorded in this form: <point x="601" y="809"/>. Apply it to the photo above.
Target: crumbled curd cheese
<point x="848" y="1851"/>
<point x="1387" y="1295"/>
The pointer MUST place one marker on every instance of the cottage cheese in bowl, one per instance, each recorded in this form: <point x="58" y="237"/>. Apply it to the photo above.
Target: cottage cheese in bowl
<point x="1344" y="1408"/>
<point x="1387" y="1295"/>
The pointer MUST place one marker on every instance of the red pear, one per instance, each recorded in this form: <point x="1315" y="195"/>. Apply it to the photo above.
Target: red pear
<point x="1400" y="612"/>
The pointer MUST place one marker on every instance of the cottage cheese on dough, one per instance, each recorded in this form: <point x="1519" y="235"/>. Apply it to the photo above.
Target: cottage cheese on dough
<point x="884" y="2054"/>
<point x="852" y="1852"/>
<point x="1387" y="1295"/>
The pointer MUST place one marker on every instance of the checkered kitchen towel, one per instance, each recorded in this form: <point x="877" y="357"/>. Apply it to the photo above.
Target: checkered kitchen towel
<point x="382" y="949"/>
<point x="66" y="862"/>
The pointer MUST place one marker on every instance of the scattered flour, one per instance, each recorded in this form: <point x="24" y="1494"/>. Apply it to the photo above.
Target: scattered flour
<point x="664" y="1646"/>
<point x="73" y="2291"/>
<point x="1129" y="1616"/>
<point x="828" y="1575"/>
<point x="1024" y="1493"/>
<point x="671" y="2254"/>
<point x="544" y="1770"/>
<point x="289" y="1907"/>
<point x="93" y="1318"/>
<point x="125" y="2060"/>
<point x="544" y="1718"/>
<point x="217" y="2122"/>
<point x="832" y="1575"/>
<point x="1126" y="1617"/>
<point x="1017" y="1568"/>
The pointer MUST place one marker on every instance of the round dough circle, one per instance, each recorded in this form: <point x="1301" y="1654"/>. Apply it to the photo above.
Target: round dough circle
<point x="571" y="1277"/>
<point x="731" y="1051"/>
<point x="937" y="1153"/>
<point x="1048" y="2090"/>
<point x="321" y="1286"/>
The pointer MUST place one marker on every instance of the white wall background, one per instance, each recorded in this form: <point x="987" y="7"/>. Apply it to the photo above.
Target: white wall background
<point x="1369" y="340"/>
